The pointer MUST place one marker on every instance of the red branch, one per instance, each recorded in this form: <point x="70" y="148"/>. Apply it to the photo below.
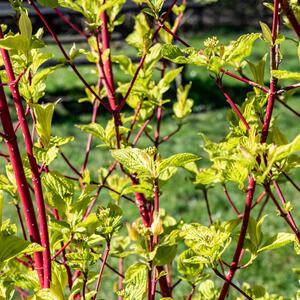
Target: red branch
<point x="23" y="189"/>
<point x="36" y="180"/>
<point x="291" y="16"/>
<point x="69" y="61"/>
<point x="239" y="248"/>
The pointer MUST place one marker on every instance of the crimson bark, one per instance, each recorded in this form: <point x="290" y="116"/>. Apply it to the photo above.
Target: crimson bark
<point x="36" y="180"/>
<point x="24" y="193"/>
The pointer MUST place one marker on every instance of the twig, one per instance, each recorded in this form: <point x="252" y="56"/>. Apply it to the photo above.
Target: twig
<point x="62" y="248"/>
<point x="230" y="201"/>
<point x="207" y="206"/>
<point x="288" y="107"/>
<point x="142" y="60"/>
<point x="71" y="24"/>
<point x="68" y="60"/>
<point x="291" y="16"/>
<point x="144" y="126"/>
<point x="70" y="165"/>
<point x="294" y="184"/>
<point x="232" y="104"/>
<point x="232" y="284"/>
<point x="105" y="256"/>
<point x="288" y="88"/>
<point x="239" y="248"/>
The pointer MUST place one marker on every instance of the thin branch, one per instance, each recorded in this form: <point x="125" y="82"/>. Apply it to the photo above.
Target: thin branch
<point x="259" y="198"/>
<point x="294" y="184"/>
<point x="262" y="208"/>
<point x="144" y="126"/>
<point x="142" y="60"/>
<point x="136" y="113"/>
<point x="21" y="221"/>
<point x="190" y="295"/>
<point x="242" y="236"/>
<point x="291" y="16"/>
<point x="230" y="201"/>
<point x="167" y="137"/>
<point x="68" y="59"/>
<point x="71" y="24"/>
<point x="232" y="284"/>
<point x="283" y="201"/>
<point x="288" y="88"/>
<point x="232" y="104"/>
<point x="62" y="248"/>
<point x="282" y="213"/>
<point x="288" y="107"/>
<point x="105" y="256"/>
<point x="118" y="193"/>
<point x="70" y="164"/>
<point x="92" y="204"/>
<point x="90" y="136"/>
<point x="207" y="206"/>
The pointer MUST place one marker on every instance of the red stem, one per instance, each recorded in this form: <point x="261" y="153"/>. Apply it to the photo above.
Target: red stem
<point x="230" y="201"/>
<point x="273" y="66"/>
<point x="23" y="189"/>
<point x="142" y="60"/>
<point x="71" y="24"/>
<point x="107" y="63"/>
<point x="105" y="256"/>
<point x="90" y="137"/>
<point x="232" y="104"/>
<point x="69" y="61"/>
<point x="62" y="248"/>
<point x="291" y="16"/>
<point x="239" y="248"/>
<point x="33" y="166"/>
<point x="139" y="134"/>
<point x="283" y="201"/>
<point x="21" y="221"/>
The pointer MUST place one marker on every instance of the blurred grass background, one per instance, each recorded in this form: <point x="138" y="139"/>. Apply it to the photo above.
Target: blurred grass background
<point x="179" y="197"/>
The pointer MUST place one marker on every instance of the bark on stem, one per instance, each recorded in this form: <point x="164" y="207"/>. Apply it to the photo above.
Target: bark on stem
<point x="23" y="189"/>
<point x="291" y="16"/>
<point x="69" y="61"/>
<point x="36" y="180"/>
<point x="273" y="66"/>
<point x="142" y="60"/>
<point x="239" y="248"/>
<point x="105" y="256"/>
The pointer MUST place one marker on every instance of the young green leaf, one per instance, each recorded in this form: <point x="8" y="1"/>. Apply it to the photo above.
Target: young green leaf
<point x="277" y="241"/>
<point x="135" y="281"/>
<point x="43" y="114"/>
<point x="266" y="31"/>
<point x="135" y="160"/>
<point x="281" y="74"/>
<point x="177" y="160"/>
<point x="25" y="26"/>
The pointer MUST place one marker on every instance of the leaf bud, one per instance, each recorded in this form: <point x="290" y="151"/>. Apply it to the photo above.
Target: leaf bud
<point x="157" y="225"/>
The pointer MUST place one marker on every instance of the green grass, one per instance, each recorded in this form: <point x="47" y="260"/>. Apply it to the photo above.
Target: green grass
<point x="179" y="196"/>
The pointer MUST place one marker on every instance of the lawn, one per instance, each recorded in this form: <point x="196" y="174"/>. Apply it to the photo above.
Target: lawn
<point x="180" y="197"/>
